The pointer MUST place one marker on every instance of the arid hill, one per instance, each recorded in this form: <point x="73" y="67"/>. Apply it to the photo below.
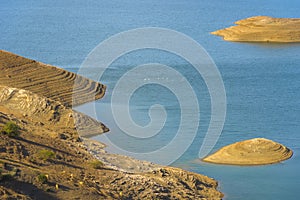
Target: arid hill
<point x="257" y="151"/>
<point x="262" y="29"/>
<point x="49" y="160"/>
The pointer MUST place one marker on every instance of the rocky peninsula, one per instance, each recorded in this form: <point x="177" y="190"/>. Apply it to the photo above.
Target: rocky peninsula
<point x="47" y="159"/>
<point x="257" y="151"/>
<point x="263" y="29"/>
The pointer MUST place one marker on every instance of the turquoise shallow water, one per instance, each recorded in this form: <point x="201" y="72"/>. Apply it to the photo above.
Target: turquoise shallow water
<point x="262" y="81"/>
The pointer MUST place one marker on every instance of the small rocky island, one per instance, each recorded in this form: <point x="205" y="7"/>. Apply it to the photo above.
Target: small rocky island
<point x="263" y="29"/>
<point x="257" y="151"/>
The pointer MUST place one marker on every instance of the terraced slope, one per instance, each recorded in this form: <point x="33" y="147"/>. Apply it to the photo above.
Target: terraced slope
<point x="262" y="29"/>
<point x="46" y="80"/>
<point x="257" y="151"/>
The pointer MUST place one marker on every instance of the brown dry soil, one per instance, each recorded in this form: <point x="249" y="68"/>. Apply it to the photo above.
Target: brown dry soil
<point x="257" y="151"/>
<point x="262" y="29"/>
<point x="48" y="124"/>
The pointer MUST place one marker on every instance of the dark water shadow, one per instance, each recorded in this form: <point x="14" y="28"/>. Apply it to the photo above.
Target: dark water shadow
<point x="27" y="189"/>
<point x="272" y="45"/>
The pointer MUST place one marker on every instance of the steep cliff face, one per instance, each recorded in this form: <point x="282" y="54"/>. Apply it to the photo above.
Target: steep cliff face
<point x="47" y="112"/>
<point x="48" y="81"/>
<point x="262" y="29"/>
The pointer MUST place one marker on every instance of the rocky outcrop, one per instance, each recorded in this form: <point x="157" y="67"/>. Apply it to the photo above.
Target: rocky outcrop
<point x="48" y="81"/>
<point x="257" y="151"/>
<point x="263" y="29"/>
<point x="46" y="112"/>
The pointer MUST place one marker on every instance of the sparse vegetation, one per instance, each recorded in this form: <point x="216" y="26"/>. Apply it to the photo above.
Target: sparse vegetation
<point x="11" y="129"/>
<point x="14" y="172"/>
<point x="42" y="178"/>
<point x="96" y="164"/>
<point x="45" y="155"/>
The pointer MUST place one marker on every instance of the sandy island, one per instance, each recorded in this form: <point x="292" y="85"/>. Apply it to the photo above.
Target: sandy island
<point x="257" y="151"/>
<point x="263" y="29"/>
<point x="37" y="97"/>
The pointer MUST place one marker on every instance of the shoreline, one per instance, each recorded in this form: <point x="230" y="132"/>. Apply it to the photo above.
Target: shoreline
<point x="117" y="161"/>
<point x="51" y="124"/>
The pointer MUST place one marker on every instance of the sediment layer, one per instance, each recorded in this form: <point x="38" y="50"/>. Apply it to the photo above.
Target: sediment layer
<point x="257" y="151"/>
<point x="262" y="29"/>
<point x="48" y="81"/>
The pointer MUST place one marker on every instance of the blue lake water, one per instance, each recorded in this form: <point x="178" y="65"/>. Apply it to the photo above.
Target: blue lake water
<point x="262" y="81"/>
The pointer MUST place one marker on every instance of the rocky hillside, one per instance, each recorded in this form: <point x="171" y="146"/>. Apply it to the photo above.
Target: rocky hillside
<point x="73" y="173"/>
<point x="49" y="160"/>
